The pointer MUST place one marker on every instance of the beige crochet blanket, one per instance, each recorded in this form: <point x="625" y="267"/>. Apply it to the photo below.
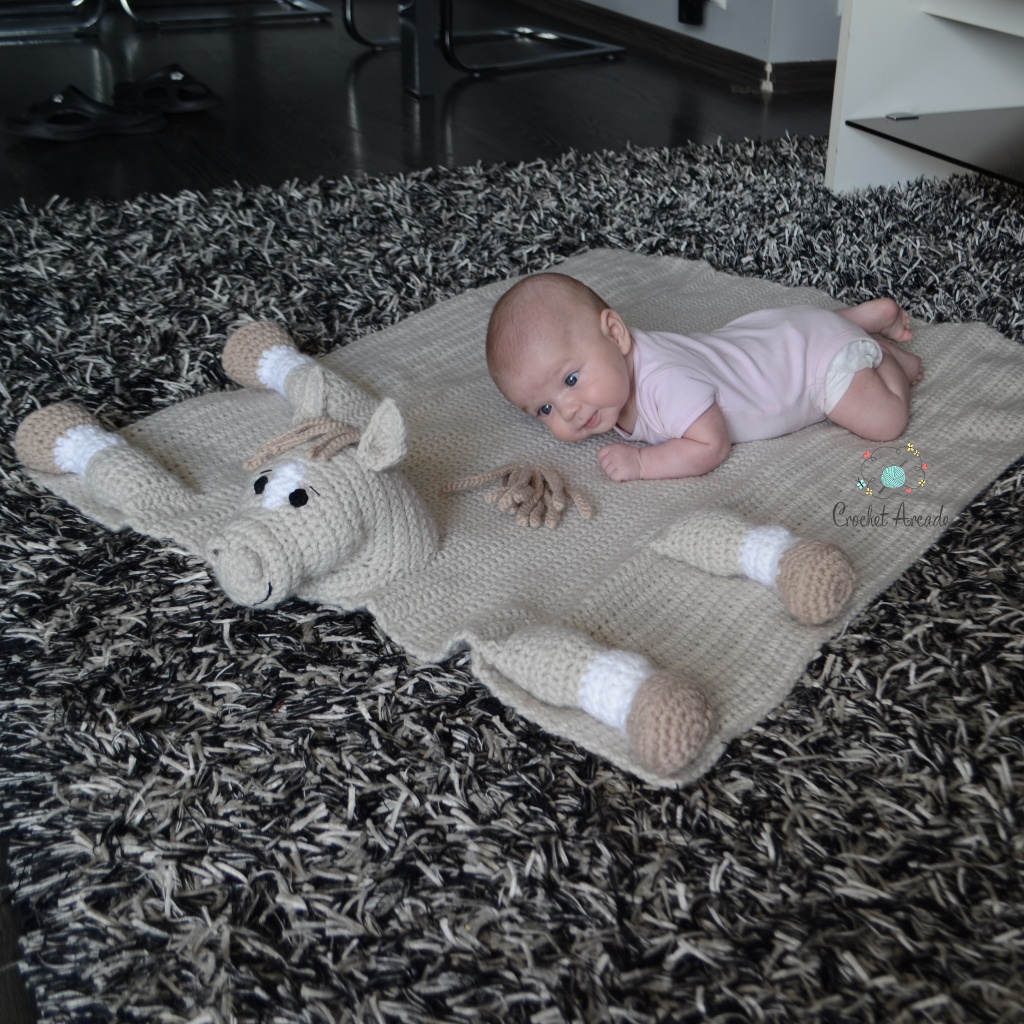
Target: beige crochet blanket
<point x="600" y="576"/>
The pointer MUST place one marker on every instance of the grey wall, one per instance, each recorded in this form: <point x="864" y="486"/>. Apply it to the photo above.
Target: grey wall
<point x="777" y="31"/>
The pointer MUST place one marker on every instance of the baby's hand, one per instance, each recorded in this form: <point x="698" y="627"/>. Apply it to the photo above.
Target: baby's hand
<point x="620" y="461"/>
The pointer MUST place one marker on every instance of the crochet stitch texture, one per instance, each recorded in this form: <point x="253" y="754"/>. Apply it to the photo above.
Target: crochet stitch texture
<point x="654" y="571"/>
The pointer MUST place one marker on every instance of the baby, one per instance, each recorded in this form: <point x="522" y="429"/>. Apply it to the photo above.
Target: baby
<point x="557" y="351"/>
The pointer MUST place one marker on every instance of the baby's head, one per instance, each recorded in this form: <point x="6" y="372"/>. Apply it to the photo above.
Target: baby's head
<point x="557" y="351"/>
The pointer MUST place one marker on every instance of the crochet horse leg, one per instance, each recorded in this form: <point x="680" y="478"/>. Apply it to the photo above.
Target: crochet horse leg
<point x="813" y="580"/>
<point x="67" y="438"/>
<point x="666" y="720"/>
<point x="263" y="355"/>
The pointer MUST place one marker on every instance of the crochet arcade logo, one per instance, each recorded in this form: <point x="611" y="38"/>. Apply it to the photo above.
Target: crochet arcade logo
<point x="892" y="472"/>
<point x="894" y="479"/>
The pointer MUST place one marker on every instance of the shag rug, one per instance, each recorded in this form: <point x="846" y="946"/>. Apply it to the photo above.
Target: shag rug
<point x="216" y="815"/>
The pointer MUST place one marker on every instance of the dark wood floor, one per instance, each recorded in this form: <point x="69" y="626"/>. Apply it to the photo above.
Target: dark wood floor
<point x="306" y="101"/>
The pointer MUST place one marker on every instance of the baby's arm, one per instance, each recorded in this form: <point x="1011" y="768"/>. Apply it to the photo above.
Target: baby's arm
<point x="703" y="447"/>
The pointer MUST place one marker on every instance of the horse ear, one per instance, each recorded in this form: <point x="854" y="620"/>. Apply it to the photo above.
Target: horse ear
<point x="383" y="442"/>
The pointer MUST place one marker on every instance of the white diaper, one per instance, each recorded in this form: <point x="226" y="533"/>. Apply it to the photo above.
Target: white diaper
<point x="858" y="355"/>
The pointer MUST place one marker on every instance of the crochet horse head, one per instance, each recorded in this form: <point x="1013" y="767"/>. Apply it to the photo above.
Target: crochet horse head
<point x="319" y="506"/>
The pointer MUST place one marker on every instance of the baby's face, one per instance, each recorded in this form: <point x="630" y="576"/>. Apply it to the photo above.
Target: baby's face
<point x="576" y="382"/>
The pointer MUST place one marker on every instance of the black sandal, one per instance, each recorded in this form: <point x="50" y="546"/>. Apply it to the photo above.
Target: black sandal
<point x="70" y="115"/>
<point x="171" y="89"/>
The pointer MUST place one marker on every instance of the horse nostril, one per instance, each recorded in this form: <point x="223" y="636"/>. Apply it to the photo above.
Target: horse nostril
<point x="240" y="560"/>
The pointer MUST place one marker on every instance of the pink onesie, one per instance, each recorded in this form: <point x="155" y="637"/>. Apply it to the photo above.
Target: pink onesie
<point x="766" y="370"/>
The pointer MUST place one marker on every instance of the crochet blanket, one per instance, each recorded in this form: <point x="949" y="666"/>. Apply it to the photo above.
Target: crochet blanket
<point x="604" y="576"/>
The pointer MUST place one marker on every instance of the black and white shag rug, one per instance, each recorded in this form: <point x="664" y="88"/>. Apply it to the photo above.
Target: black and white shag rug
<point x="218" y="816"/>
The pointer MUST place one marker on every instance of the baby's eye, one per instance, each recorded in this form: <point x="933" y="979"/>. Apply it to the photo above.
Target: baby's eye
<point x="544" y="410"/>
<point x="572" y="380"/>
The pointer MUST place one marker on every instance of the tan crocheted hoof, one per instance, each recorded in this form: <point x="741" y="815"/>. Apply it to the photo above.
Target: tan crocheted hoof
<point x="38" y="433"/>
<point x="814" y="581"/>
<point x="669" y="723"/>
<point x="245" y="347"/>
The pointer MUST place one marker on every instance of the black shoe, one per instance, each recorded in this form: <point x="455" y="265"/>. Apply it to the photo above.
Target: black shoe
<point x="70" y="115"/>
<point x="171" y="89"/>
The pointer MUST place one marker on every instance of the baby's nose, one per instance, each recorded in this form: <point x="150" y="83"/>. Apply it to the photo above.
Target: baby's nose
<point x="568" y="407"/>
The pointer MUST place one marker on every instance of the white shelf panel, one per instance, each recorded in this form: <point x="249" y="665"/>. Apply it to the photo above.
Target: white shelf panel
<point x="999" y="15"/>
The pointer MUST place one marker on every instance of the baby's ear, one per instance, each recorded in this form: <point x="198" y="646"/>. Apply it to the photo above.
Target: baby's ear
<point x="615" y="327"/>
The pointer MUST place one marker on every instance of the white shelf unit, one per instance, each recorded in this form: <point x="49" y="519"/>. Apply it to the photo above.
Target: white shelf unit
<point x="921" y="57"/>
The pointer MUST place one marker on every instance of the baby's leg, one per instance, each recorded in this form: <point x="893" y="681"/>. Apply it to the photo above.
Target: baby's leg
<point x="880" y="316"/>
<point x="876" y="405"/>
<point x="911" y="364"/>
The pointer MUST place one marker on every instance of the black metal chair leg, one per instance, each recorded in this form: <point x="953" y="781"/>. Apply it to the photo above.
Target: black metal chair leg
<point x="39" y="21"/>
<point x="160" y="14"/>
<point x="349" y="17"/>
<point x="574" y="49"/>
<point x="578" y="48"/>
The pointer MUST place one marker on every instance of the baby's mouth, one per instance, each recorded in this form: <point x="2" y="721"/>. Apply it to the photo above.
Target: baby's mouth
<point x="592" y="422"/>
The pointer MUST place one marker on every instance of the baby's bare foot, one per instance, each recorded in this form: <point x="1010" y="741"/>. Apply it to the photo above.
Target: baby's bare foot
<point x="885" y="317"/>
<point x="898" y="328"/>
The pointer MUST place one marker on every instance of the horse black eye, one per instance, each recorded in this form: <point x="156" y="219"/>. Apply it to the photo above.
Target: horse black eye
<point x="298" y="497"/>
<point x="260" y="484"/>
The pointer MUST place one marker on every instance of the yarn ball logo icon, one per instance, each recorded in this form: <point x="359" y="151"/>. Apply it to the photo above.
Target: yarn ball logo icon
<point x="892" y="471"/>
